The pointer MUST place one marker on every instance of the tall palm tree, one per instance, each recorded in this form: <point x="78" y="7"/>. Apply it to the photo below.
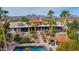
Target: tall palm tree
<point x="50" y="14"/>
<point x="65" y="14"/>
<point x="2" y="15"/>
<point x="1" y="40"/>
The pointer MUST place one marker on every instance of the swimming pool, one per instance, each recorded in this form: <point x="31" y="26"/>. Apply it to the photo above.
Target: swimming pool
<point x="32" y="48"/>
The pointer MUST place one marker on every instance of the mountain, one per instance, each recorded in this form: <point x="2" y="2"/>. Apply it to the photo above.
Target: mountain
<point x="35" y="16"/>
<point x="27" y="16"/>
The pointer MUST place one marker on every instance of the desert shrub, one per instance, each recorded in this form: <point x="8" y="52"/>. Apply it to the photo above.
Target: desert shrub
<point x="25" y="40"/>
<point x="69" y="46"/>
<point x="72" y="34"/>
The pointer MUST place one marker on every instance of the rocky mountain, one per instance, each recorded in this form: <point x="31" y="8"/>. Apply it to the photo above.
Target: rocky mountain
<point x="27" y="16"/>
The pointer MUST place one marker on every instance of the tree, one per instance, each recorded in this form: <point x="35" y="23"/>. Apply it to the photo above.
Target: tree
<point x="24" y="19"/>
<point x="73" y="25"/>
<point x="50" y="14"/>
<point x="3" y="13"/>
<point x="72" y="30"/>
<point x="9" y="37"/>
<point x="65" y="14"/>
<point x="73" y="35"/>
<point x="51" y="22"/>
<point x="1" y="40"/>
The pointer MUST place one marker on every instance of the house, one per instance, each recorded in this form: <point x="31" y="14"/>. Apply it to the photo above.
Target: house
<point x="23" y="27"/>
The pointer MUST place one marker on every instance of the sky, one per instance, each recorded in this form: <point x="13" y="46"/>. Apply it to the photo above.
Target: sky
<point x="23" y="11"/>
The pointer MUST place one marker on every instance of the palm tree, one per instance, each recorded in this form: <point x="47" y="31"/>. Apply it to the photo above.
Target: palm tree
<point x="65" y="14"/>
<point x="1" y="40"/>
<point x="2" y="15"/>
<point x="50" y="14"/>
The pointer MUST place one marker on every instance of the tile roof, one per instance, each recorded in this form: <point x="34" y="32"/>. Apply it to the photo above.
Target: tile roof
<point x="36" y="20"/>
<point x="62" y="38"/>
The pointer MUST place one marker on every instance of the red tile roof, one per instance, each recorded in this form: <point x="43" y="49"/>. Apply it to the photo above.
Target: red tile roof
<point x="62" y="38"/>
<point x="36" y="20"/>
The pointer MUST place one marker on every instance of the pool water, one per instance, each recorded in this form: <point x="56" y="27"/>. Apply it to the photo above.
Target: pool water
<point x="32" y="48"/>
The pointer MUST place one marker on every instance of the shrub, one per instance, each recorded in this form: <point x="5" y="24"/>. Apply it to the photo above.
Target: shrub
<point x="17" y="39"/>
<point x="69" y="46"/>
<point x="33" y="33"/>
<point x="25" y="40"/>
<point x="9" y="37"/>
<point x="72" y="34"/>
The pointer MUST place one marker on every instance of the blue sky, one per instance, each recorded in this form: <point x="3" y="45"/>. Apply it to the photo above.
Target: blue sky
<point x="22" y="11"/>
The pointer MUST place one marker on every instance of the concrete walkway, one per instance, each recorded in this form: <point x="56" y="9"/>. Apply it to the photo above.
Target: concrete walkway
<point x="39" y="37"/>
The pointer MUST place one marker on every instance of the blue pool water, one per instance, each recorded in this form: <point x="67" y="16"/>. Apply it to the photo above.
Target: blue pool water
<point x="32" y="48"/>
